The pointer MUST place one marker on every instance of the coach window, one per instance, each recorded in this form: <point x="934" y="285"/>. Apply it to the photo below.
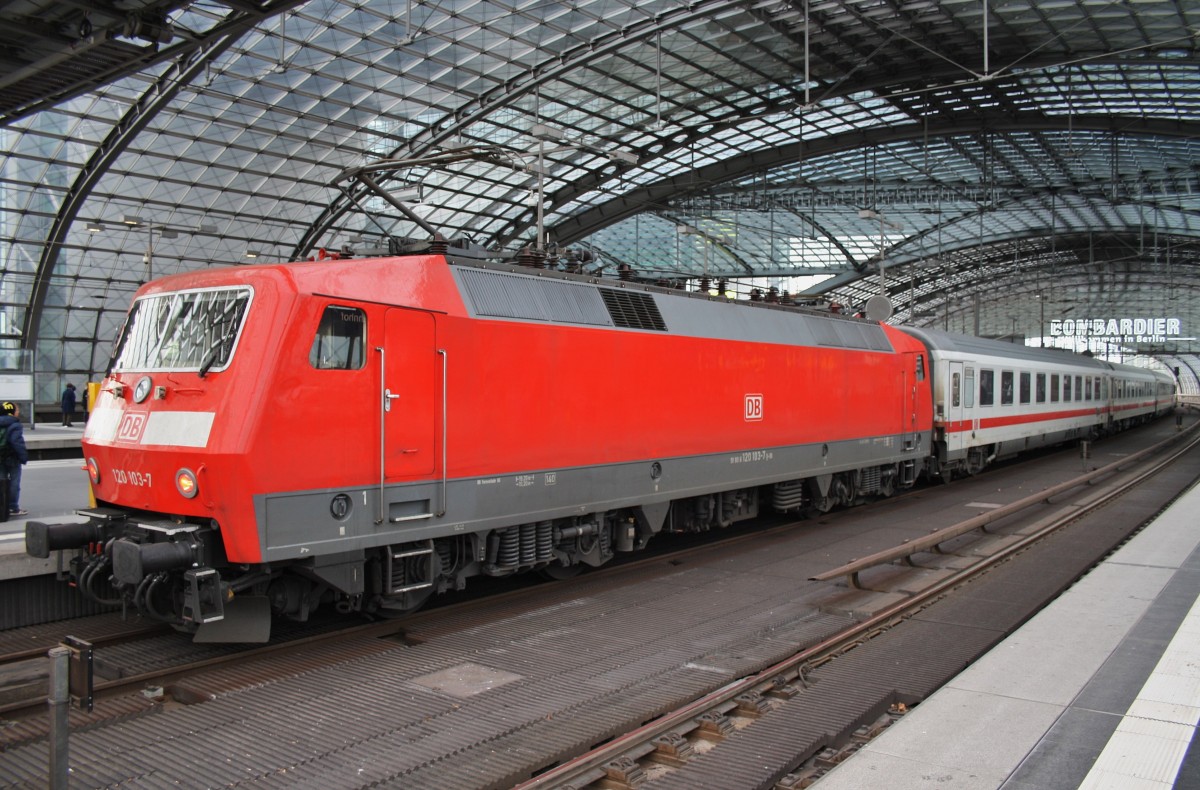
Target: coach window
<point x="1040" y="390"/>
<point x="1006" y="388"/>
<point x="1096" y="388"/>
<point x="955" y="385"/>
<point x="1054" y="388"/>
<point x="1024" y="388"/>
<point x="340" y="339"/>
<point x="969" y="395"/>
<point x="987" y="381"/>
<point x="1087" y="388"/>
<point x="1079" y="388"/>
<point x="1067" y="389"/>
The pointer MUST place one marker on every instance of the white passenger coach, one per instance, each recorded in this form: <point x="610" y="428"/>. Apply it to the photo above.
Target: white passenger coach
<point x="994" y="399"/>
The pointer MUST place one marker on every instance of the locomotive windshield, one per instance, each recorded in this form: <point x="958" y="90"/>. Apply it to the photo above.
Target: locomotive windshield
<point x="188" y="330"/>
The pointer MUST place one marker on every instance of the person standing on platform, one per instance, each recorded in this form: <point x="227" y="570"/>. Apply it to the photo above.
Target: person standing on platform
<point x="68" y="405"/>
<point x="14" y="455"/>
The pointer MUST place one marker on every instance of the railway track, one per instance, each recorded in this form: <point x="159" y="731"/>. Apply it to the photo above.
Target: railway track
<point x="132" y="656"/>
<point x="140" y="667"/>
<point x="696" y="733"/>
<point x="670" y="741"/>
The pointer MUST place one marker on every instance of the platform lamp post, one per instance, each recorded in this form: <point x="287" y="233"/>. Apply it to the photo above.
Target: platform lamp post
<point x="543" y="134"/>
<point x="884" y="222"/>
<point x="164" y="232"/>
<point x="1041" y="320"/>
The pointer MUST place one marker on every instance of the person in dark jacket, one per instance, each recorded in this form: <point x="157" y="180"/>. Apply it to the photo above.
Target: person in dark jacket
<point x="68" y="405"/>
<point x="15" y="456"/>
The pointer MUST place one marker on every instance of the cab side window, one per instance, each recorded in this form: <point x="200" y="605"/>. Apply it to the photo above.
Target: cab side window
<point x="340" y="340"/>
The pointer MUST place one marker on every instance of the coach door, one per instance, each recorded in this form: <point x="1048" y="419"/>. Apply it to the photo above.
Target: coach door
<point x="411" y="397"/>
<point x="955" y="398"/>
<point x="914" y="372"/>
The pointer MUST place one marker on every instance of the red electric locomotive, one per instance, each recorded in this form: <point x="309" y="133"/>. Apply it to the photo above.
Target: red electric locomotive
<point x="365" y="433"/>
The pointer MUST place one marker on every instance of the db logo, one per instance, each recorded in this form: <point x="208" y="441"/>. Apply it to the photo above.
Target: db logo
<point x="132" y="425"/>
<point x="754" y="408"/>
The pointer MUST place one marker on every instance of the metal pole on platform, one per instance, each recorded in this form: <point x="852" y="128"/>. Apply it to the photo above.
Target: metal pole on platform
<point x="60" y="709"/>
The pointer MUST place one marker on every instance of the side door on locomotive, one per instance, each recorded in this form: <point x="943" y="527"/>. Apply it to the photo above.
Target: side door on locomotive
<point x="412" y="416"/>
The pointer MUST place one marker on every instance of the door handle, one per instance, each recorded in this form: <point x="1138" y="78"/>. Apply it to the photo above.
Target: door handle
<point x="388" y="397"/>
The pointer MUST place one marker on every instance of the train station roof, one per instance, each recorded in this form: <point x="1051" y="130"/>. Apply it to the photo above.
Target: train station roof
<point x="994" y="167"/>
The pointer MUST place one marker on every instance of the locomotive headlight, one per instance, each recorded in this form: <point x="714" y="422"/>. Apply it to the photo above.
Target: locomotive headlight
<point x="185" y="483"/>
<point x="93" y="469"/>
<point x="142" y="389"/>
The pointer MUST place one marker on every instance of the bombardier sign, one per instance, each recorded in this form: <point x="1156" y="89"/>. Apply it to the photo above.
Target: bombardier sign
<point x="1124" y="330"/>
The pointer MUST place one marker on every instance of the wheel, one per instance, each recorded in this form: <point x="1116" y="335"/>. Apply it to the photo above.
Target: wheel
<point x="850" y="486"/>
<point x="887" y="485"/>
<point x="823" y="504"/>
<point x="558" y="572"/>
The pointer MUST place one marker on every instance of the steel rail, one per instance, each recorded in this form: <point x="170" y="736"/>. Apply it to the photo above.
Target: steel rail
<point x="589" y="767"/>
<point x="112" y="687"/>
<point x="931" y="541"/>
<point x="111" y="638"/>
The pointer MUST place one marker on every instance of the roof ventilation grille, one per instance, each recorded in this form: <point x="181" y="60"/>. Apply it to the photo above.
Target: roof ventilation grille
<point x="633" y="310"/>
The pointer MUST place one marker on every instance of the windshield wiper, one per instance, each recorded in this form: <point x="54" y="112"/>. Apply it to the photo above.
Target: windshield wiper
<point x="210" y="358"/>
<point x="230" y="313"/>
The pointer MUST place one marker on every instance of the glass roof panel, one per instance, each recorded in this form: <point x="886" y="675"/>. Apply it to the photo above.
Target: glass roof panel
<point x="670" y="116"/>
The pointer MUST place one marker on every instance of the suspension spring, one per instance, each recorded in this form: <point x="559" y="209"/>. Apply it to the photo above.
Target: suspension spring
<point x="528" y="544"/>
<point x="509" y="552"/>
<point x="545" y="540"/>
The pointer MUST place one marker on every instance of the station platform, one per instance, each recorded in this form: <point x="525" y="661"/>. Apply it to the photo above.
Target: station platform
<point x="50" y="490"/>
<point x="44" y="438"/>
<point x="1100" y="690"/>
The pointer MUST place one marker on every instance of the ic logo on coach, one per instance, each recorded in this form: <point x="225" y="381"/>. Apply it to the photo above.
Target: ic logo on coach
<point x="754" y="408"/>
<point x="131" y="427"/>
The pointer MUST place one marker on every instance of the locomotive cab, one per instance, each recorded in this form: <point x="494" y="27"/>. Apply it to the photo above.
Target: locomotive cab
<point x="249" y="420"/>
<point x="149" y="447"/>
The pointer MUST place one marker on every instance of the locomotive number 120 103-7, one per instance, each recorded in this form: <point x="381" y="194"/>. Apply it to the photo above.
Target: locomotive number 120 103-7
<point x="132" y="478"/>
